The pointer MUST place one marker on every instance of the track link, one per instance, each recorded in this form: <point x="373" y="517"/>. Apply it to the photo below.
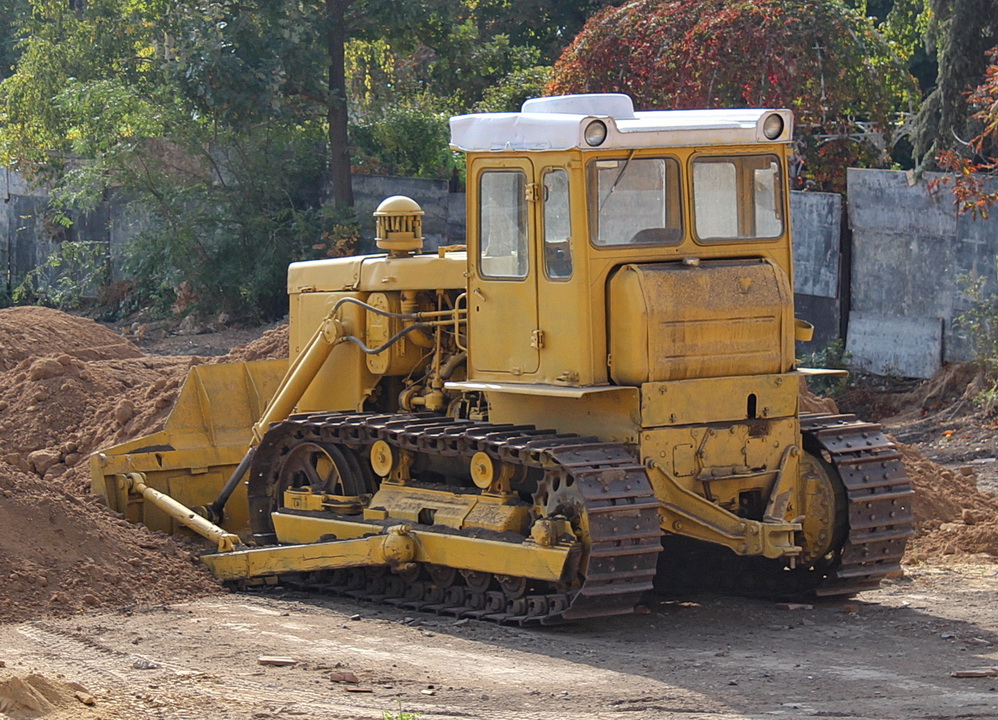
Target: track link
<point x="879" y="498"/>
<point x="598" y="485"/>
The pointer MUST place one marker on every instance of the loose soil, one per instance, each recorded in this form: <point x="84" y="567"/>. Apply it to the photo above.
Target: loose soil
<point x="68" y="387"/>
<point x="108" y="620"/>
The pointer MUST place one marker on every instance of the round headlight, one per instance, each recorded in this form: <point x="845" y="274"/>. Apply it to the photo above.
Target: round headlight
<point x="772" y="126"/>
<point x="595" y="133"/>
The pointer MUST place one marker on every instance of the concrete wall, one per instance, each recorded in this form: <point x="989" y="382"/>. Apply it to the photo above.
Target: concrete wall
<point x="817" y="242"/>
<point x="909" y="249"/>
<point x="26" y="240"/>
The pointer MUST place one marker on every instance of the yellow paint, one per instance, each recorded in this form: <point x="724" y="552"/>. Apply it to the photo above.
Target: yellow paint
<point x="307" y="551"/>
<point x="677" y="343"/>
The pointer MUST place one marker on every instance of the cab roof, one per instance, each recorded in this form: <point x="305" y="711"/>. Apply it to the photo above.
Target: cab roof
<point x="560" y="122"/>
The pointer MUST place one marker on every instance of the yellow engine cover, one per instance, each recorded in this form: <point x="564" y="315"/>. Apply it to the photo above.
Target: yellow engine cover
<point x="673" y="321"/>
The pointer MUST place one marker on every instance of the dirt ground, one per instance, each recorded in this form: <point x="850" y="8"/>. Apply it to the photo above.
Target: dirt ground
<point x="102" y="620"/>
<point x="890" y="654"/>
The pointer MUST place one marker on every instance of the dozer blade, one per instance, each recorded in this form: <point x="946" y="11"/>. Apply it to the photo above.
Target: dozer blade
<point x="200" y="445"/>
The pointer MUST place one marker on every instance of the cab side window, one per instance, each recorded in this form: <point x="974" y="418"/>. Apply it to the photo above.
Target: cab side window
<point x="557" y="225"/>
<point x="738" y="198"/>
<point x="502" y="228"/>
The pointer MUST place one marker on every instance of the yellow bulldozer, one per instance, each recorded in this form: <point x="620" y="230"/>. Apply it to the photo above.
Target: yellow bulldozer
<point x="596" y="395"/>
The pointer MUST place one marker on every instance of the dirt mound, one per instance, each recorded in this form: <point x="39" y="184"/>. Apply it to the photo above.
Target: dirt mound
<point x="62" y="554"/>
<point x="36" y="696"/>
<point x="811" y="403"/>
<point x="65" y="397"/>
<point x="950" y="390"/>
<point x="951" y="515"/>
<point x="27" y="332"/>
<point x="57" y="409"/>
<point x="272" y="345"/>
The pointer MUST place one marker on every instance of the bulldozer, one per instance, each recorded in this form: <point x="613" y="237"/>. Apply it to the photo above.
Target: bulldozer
<point x="595" y="396"/>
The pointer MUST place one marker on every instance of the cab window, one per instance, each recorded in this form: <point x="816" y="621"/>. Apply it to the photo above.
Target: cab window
<point x="502" y="224"/>
<point x="634" y="200"/>
<point x="557" y="225"/>
<point x="737" y="198"/>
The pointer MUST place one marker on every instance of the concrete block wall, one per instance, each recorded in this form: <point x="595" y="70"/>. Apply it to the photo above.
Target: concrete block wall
<point x="909" y="249"/>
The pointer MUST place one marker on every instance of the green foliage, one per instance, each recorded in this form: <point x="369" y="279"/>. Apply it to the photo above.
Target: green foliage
<point x="12" y="15"/>
<point x="203" y="114"/>
<point x="832" y="356"/>
<point x="400" y="715"/>
<point x="68" y="279"/>
<point x="221" y="235"/>
<point x="979" y="323"/>
<point x="820" y="59"/>
<point x="409" y="138"/>
<point x="240" y="65"/>
<point x="552" y="23"/>
<point x="979" y="326"/>
<point x="509" y="93"/>
<point x="456" y="52"/>
<point x="468" y="64"/>
<point x="960" y="32"/>
<point x="905" y="27"/>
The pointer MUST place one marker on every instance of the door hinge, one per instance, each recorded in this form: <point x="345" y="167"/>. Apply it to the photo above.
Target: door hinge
<point x="537" y="339"/>
<point x="533" y="192"/>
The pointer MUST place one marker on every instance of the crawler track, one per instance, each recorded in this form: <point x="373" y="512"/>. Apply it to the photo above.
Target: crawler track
<point x="596" y="485"/>
<point x="877" y="517"/>
<point x="879" y="498"/>
<point x="609" y="500"/>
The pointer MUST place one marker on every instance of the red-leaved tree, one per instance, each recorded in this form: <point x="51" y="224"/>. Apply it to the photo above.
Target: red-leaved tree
<point x="973" y="183"/>
<point x="821" y="59"/>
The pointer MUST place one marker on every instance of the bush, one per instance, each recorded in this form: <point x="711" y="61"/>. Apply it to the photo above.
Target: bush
<point x="834" y="357"/>
<point x="979" y="323"/>
<point x="220" y="234"/>
<point x="509" y="93"/>
<point x="71" y="276"/>
<point x="409" y="139"/>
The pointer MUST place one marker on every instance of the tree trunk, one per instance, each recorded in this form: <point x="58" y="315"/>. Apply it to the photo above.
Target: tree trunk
<point x="339" y="151"/>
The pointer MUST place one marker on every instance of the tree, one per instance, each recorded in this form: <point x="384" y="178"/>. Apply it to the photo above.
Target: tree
<point x="12" y="14"/>
<point x="553" y="24"/>
<point x="453" y="59"/>
<point x="821" y="59"/>
<point x="975" y="167"/>
<point x="961" y="33"/>
<point x="209" y="116"/>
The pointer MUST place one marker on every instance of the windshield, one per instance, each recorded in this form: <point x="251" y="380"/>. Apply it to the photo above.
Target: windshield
<point x="634" y="200"/>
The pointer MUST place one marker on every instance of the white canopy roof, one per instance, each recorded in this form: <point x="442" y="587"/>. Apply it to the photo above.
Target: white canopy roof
<point x="559" y="123"/>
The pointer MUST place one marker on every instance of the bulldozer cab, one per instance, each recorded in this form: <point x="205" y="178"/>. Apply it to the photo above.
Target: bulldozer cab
<point x="565" y="194"/>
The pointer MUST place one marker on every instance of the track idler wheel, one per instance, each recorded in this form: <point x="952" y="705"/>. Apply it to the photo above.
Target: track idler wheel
<point x="295" y="458"/>
<point x="823" y="505"/>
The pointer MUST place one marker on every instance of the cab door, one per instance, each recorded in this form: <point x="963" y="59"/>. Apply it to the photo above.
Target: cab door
<point x="504" y="339"/>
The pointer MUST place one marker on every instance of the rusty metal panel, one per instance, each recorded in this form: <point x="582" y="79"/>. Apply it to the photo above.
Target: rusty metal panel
<point x="672" y="321"/>
<point x="688" y="402"/>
